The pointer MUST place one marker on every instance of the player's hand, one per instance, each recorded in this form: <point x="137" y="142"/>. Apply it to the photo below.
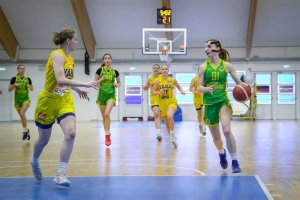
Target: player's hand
<point x="211" y="88"/>
<point x="83" y="94"/>
<point x="94" y="84"/>
<point x="102" y="78"/>
<point x="183" y="92"/>
<point x="17" y="84"/>
<point x="117" y="85"/>
<point x="161" y="91"/>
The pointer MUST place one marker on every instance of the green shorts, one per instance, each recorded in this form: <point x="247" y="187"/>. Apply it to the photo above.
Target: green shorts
<point x="104" y="98"/>
<point x="211" y="112"/>
<point x="19" y="103"/>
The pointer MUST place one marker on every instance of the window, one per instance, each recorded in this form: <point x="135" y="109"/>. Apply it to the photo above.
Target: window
<point x="286" y="88"/>
<point x="263" y="86"/>
<point x="184" y="80"/>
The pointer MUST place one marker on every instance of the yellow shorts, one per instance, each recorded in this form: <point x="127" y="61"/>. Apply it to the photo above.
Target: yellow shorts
<point x="164" y="104"/>
<point x="154" y="100"/>
<point x="52" y="106"/>
<point x="198" y="101"/>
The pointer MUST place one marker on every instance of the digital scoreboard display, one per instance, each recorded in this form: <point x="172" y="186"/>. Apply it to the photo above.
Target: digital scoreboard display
<point x="164" y="16"/>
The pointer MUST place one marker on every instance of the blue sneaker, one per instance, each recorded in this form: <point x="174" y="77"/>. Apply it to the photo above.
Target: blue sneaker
<point x="235" y="167"/>
<point x="223" y="160"/>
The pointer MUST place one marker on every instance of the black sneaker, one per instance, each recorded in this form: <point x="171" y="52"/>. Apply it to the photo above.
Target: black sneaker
<point x="223" y="160"/>
<point x="235" y="167"/>
<point x="26" y="135"/>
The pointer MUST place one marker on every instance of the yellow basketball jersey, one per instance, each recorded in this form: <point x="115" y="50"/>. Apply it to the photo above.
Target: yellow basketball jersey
<point x="51" y="85"/>
<point x="196" y="81"/>
<point x="152" y="81"/>
<point x="198" y="98"/>
<point x="168" y="86"/>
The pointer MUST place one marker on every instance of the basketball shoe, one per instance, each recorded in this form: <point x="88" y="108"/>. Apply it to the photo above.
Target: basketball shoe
<point x="223" y="160"/>
<point x="26" y="135"/>
<point x="107" y="140"/>
<point x="158" y="137"/>
<point x="202" y="130"/>
<point x="173" y="140"/>
<point x="36" y="171"/>
<point x="235" y="167"/>
<point x="61" y="179"/>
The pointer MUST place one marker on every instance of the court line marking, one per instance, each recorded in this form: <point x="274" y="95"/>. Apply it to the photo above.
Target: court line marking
<point x="263" y="187"/>
<point x="108" y="163"/>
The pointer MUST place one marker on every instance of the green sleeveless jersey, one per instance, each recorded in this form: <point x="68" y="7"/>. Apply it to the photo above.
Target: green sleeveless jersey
<point x="22" y="92"/>
<point x="107" y="85"/>
<point x="215" y="75"/>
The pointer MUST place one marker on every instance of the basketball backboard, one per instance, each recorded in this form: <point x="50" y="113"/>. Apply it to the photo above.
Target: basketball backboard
<point x="171" y="41"/>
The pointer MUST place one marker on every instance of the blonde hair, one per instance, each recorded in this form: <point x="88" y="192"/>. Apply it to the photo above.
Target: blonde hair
<point x="60" y="37"/>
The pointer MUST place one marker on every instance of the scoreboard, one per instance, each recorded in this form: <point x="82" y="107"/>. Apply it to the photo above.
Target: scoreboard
<point x="164" y="16"/>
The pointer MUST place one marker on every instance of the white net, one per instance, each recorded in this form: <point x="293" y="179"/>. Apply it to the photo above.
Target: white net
<point x="166" y="57"/>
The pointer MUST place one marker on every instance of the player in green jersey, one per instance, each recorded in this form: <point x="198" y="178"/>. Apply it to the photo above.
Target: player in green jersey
<point x="213" y="84"/>
<point x="109" y="81"/>
<point x="21" y="83"/>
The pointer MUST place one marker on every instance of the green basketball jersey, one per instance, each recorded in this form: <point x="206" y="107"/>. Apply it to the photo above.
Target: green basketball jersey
<point x="107" y="85"/>
<point x="22" y="92"/>
<point x="215" y="75"/>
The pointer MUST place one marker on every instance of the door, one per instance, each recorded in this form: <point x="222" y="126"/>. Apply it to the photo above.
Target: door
<point x="133" y="93"/>
<point x="264" y="95"/>
<point x="286" y="96"/>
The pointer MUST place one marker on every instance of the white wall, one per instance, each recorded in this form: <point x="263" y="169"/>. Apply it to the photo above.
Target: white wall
<point x="87" y="110"/>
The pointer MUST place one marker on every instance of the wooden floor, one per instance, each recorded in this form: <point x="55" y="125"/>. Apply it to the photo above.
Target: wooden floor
<point x="269" y="149"/>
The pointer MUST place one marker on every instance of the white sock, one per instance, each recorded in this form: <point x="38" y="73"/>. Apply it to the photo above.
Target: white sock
<point x="34" y="160"/>
<point x="158" y="131"/>
<point x="62" y="167"/>
<point x="25" y="129"/>
<point x="233" y="156"/>
<point x="200" y="124"/>
<point x="221" y="151"/>
<point x="171" y="132"/>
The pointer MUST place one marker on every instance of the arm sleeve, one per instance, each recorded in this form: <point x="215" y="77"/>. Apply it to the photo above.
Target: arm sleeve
<point x="13" y="80"/>
<point x="117" y="73"/>
<point x="29" y="81"/>
<point x="98" y="71"/>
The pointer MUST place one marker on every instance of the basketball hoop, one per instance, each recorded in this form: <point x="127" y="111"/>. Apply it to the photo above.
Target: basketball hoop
<point x="164" y="55"/>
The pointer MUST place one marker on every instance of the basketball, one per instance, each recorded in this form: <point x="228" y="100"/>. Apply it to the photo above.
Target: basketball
<point x="241" y="93"/>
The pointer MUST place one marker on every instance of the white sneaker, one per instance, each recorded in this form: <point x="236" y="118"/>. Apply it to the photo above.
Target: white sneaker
<point x="202" y="130"/>
<point x="36" y="171"/>
<point x="61" y="179"/>
<point x="158" y="137"/>
<point x="173" y="140"/>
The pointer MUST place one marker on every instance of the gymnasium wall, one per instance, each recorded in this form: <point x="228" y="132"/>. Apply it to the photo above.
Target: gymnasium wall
<point x="270" y="60"/>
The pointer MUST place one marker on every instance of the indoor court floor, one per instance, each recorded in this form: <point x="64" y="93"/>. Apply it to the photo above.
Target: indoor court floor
<point x="136" y="166"/>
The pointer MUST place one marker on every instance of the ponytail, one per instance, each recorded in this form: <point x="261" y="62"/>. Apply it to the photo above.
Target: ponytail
<point x="224" y="55"/>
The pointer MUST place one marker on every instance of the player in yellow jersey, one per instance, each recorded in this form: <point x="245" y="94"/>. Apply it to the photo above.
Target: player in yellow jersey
<point x="21" y="83"/>
<point x="55" y="102"/>
<point x="109" y="80"/>
<point x="198" y="103"/>
<point x="164" y="87"/>
<point x="213" y="84"/>
<point x="154" y="99"/>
